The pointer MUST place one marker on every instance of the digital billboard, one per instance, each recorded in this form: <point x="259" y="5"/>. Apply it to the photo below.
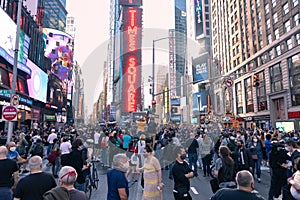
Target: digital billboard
<point x="286" y="126"/>
<point x="200" y="68"/>
<point x="130" y="2"/>
<point x="37" y="84"/>
<point x="199" y="102"/>
<point x="131" y="59"/>
<point x="199" y="18"/>
<point x="8" y="39"/>
<point x="59" y="48"/>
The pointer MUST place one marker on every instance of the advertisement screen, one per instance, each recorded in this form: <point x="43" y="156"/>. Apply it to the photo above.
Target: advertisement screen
<point x="200" y="68"/>
<point x="199" y="102"/>
<point x="8" y="40"/>
<point x="37" y="84"/>
<point x="285" y="126"/>
<point x="59" y="48"/>
<point x="199" y="18"/>
<point x="130" y="2"/>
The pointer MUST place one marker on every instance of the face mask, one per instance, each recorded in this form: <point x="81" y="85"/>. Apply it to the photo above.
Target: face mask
<point x="287" y="148"/>
<point x="254" y="140"/>
<point x="183" y="157"/>
<point x="12" y="148"/>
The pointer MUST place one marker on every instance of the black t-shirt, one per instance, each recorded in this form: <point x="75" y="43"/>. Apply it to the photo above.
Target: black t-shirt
<point x="225" y="194"/>
<point x="192" y="145"/>
<point x="77" y="195"/>
<point x="34" y="186"/>
<point x="7" y="168"/>
<point x="181" y="183"/>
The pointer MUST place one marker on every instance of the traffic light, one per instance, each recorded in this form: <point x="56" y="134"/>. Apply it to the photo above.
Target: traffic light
<point x="255" y="80"/>
<point x="153" y="106"/>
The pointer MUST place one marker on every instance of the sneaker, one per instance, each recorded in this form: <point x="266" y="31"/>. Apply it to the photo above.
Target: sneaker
<point x="259" y="180"/>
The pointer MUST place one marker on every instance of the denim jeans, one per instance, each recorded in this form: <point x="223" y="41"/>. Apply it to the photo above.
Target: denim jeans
<point x="256" y="164"/>
<point x="6" y="193"/>
<point x="56" y="166"/>
<point x="104" y="156"/>
<point x="49" y="149"/>
<point x="79" y="186"/>
<point x="193" y="157"/>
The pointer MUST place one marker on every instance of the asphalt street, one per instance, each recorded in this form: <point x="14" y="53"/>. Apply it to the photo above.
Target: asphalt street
<point x="200" y="187"/>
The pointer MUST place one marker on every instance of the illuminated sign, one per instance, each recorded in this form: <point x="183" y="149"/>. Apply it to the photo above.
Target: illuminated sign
<point x="199" y="18"/>
<point x="200" y="68"/>
<point x="130" y="2"/>
<point x="172" y="61"/>
<point x="131" y="59"/>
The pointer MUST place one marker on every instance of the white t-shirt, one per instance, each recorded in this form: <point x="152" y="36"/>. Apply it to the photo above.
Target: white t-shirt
<point x="96" y="137"/>
<point x="51" y="137"/>
<point x="65" y="147"/>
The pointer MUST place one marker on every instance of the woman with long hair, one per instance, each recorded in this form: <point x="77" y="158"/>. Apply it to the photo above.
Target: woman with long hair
<point x="224" y="170"/>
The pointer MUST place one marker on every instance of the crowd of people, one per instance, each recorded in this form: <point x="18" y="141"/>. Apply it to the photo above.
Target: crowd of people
<point x="141" y="154"/>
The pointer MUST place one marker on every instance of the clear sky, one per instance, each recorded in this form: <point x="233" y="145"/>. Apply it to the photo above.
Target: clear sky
<point x="92" y="34"/>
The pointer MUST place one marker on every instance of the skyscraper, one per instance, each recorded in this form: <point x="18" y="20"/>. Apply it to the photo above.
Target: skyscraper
<point x="263" y="36"/>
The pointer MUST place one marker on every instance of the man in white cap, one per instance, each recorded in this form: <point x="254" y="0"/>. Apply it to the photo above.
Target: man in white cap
<point x="50" y="139"/>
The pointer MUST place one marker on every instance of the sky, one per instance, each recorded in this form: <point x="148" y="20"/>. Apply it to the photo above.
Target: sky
<point x="92" y="35"/>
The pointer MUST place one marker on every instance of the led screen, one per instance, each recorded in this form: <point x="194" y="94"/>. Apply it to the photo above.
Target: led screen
<point x="59" y="48"/>
<point x="37" y="84"/>
<point x="285" y="126"/>
<point x="8" y="40"/>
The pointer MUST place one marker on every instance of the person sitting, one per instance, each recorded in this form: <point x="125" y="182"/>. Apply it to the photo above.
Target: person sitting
<point x="245" y="189"/>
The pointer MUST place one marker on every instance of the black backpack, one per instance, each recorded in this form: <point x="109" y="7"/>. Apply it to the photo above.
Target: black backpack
<point x="37" y="150"/>
<point x="278" y="155"/>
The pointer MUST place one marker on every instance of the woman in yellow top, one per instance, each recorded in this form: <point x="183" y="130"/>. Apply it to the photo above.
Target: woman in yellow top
<point x="152" y="176"/>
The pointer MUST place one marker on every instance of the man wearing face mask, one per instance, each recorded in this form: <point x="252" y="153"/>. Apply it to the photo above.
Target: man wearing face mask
<point x="181" y="173"/>
<point x="245" y="189"/>
<point x="117" y="182"/>
<point x="242" y="157"/>
<point x="13" y="154"/>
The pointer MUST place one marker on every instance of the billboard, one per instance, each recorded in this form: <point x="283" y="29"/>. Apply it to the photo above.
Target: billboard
<point x="130" y="2"/>
<point x="37" y="84"/>
<point x="131" y="59"/>
<point x="199" y="18"/>
<point x="199" y="102"/>
<point x="172" y="61"/>
<point x="59" y="48"/>
<point x="200" y="68"/>
<point x="7" y="42"/>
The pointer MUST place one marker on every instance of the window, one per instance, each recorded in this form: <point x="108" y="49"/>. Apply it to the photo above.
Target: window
<point x="275" y="18"/>
<point x="268" y="24"/>
<point x="273" y="3"/>
<point x="276" y="78"/>
<point x="267" y="9"/>
<point x="294" y="78"/>
<point x="257" y="3"/>
<point x="285" y="8"/>
<point x="289" y="44"/>
<point x="259" y="16"/>
<point x="297" y="19"/>
<point x="278" y="50"/>
<point x="295" y="2"/>
<point x="287" y="26"/>
<point x="298" y="38"/>
<point x="276" y="33"/>
<point x="269" y="39"/>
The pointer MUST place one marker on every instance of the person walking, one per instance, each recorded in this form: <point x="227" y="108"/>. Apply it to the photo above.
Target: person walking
<point x="36" y="184"/>
<point x="256" y="154"/>
<point x="245" y="189"/>
<point x="182" y="174"/>
<point x="8" y="169"/>
<point x="117" y="182"/>
<point x="192" y="149"/>
<point x="153" y="184"/>
<point x="67" y="178"/>
<point x="50" y="139"/>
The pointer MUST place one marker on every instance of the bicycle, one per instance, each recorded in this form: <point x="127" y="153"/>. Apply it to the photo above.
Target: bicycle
<point x="92" y="179"/>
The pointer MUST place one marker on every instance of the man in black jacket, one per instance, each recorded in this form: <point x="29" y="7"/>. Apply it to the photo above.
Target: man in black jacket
<point x="181" y="174"/>
<point x="242" y="157"/>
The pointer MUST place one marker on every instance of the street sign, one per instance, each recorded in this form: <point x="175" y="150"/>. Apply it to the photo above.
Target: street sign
<point x="15" y="100"/>
<point x="229" y="82"/>
<point x="4" y="91"/>
<point x="9" y="113"/>
<point x="153" y="116"/>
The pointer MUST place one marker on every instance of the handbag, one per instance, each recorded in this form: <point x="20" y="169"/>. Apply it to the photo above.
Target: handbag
<point x="254" y="156"/>
<point x="214" y="184"/>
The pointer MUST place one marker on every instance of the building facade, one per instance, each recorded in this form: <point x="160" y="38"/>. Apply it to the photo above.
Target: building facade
<point x="258" y="40"/>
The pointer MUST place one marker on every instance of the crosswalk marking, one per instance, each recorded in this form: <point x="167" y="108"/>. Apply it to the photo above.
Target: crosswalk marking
<point x="194" y="190"/>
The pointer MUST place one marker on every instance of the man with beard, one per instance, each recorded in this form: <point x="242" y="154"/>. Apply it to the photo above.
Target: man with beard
<point x="116" y="179"/>
<point x="181" y="174"/>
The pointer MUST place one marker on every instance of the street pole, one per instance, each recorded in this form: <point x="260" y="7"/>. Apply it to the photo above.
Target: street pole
<point x="153" y="68"/>
<point x="15" y="69"/>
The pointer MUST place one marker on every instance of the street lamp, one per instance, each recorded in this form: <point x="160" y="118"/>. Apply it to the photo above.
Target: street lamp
<point x="153" y="67"/>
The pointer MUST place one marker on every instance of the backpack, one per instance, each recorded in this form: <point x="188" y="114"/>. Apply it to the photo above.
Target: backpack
<point x="37" y="150"/>
<point x="278" y="155"/>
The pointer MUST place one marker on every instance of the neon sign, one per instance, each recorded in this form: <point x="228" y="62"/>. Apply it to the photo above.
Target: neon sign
<point x="131" y="58"/>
